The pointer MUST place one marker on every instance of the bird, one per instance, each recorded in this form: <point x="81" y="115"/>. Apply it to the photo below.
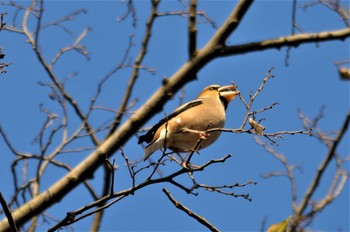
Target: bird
<point x="181" y="130"/>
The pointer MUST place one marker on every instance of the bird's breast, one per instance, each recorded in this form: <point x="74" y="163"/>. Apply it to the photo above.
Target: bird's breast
<point x="183" y="136"/>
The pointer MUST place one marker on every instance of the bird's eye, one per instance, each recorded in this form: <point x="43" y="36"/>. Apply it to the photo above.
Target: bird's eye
<point x="213" y="88"/>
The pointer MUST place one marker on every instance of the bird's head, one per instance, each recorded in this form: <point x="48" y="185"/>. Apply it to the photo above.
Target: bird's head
<point x="226" y="93"/>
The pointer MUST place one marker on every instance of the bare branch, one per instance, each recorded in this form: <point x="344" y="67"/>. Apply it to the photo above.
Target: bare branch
<point x="294" y="25"/>
<point x="75" y="46"/>
<point x="2" y="21"/>
<point x="2" y="54"/>
<point x="101" y="204"/>
<point x="202" y="14"/>
<point x="338" y="184"/>
<point x="138" y="61"/>
<point x="334" y="5"/>
<point x="131" y="171"/>
<point x="2" y="66"/>
<point x="192" y="29"/>
<point x="59" y="22"/>
<point x="289" y="173"/>
<point x="108" y="188"/>
<point x="8" y="214"/>
<point x="221" y="189"/>
<point x="51" y="74"/>
<point x="331" y="153"/>
<point x="293" y="40"/>
<point x="231" y="23"/>
<point x="190" y="213"/>
<point x="252" y="97"/>
<point x="131" y="10"/>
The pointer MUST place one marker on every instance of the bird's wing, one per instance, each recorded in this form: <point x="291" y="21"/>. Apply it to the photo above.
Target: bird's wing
<point x="150" y="134"/>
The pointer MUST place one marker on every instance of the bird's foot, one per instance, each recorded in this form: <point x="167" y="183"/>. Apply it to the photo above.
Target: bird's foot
<point x="189" y="166"/>
<point x="201" y="134"/>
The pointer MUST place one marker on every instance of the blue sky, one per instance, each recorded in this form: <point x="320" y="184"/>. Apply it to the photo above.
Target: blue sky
<point x="308" y="83"/>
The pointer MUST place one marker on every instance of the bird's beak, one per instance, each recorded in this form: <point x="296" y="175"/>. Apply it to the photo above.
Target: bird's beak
<point x="229" y="92"/>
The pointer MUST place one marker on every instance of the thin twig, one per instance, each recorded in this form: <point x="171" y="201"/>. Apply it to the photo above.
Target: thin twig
<point x="190" y="213"/>
<point x="131" y="171"/>
<point x="201" y="14"/>
<point x="289" y="169"/>
<point x="60" y="22"/>
<point x="2" y="20"/>
<point x="131" y="10"/>
<point x="138" y="61"/>
<point x="110" y="170"/>
<point x="192" y="29"/>
<point x="49" y="70"/>
<point x="294" y="24"/>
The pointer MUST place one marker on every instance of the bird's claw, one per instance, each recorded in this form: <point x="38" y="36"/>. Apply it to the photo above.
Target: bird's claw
<point x="189" y="166"/>
<point x="203" y="135"/>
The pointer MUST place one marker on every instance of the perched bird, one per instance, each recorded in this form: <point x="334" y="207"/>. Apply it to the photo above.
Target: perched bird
<point x="181" y="130"/>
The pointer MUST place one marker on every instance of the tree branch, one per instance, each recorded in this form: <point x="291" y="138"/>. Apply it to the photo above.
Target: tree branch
<point x="293" y="40"/>
<point x="138" y="61"/>
<point x="231" y="23"/>
<point x="192" y="29"/>
<point x="103" y="203"/>
<point x="189" y="212"/>
<point x="331" y="152"/>
<point x="8" y="214"/>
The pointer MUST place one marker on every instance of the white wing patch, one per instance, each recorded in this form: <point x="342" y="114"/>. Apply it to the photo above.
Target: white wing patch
<point x="178" y="120"/>
<point x="161" y="136"/>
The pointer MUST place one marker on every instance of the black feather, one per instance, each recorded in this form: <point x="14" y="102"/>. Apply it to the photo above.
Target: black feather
<point x="224" y="102"/>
